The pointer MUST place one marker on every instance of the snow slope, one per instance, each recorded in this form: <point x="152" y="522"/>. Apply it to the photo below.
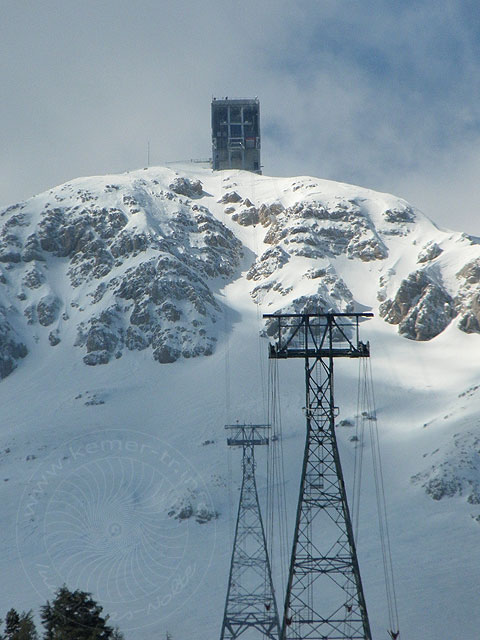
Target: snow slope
<point x="131" y="319"/>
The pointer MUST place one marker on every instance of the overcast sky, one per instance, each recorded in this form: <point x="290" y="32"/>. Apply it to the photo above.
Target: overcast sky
<point x="381" y="93"/>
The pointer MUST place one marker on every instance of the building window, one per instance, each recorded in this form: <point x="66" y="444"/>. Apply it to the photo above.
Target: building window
<point x="235" y="114"/>
<point x="236" y="160"/>
<point x="219" y="116"/>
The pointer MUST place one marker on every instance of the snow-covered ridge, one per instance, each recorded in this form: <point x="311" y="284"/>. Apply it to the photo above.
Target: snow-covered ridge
<point x="129" y="263"/>
<point x="136" y="261"/>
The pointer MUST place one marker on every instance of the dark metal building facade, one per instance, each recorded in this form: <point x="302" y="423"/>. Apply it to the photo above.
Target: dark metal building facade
<point x="236" y="134"/>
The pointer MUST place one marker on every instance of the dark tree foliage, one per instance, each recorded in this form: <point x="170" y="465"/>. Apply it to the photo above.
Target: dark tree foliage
<point x="26" y="628"/>
<point x="12" y="622"/>
<point x="74" y="615"/>
<point x="20" y="627"/>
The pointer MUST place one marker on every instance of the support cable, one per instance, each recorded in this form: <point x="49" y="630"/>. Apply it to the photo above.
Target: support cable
<point x="265" y="399"/>
<point x="270" y="486"/>
<point x="359" y="449"/>
<point x="230" y="498"/>
<point x="227" y="391"/>
<point x="370" y="415"/>
<point x="278" y="495"/>
<point x="226" y="332"/>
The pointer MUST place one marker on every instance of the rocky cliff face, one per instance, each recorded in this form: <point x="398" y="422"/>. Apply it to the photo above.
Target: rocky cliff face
<point x="136" y="262"/>
<point x="130" y="265"/>
<point x="326" y="229"/>
<point x="421" y="307"/>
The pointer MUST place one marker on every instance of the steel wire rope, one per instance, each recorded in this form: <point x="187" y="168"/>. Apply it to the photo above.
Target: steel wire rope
<point x="269" y="505"/>
<point x="276" y="495"/>
<point x="371" y="417"/>
<point x="226" y="331"/>
<point x="270" y="487"/>
<point x="279" y="498"/>
<point x="259" y="323"/>
<point x="275" y="416"/>
<point x="283" y="511"/>
<point x="272" y="466"/>
<point x="357" y="483"/>
<point x="272" y="449"/>
<point x="258" y="308"/>
<point x="359" y="448"/>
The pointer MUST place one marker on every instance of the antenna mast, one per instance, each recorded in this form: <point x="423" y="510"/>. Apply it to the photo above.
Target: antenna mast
<point x="324" y="596"/>
<point x="250" y="603"/>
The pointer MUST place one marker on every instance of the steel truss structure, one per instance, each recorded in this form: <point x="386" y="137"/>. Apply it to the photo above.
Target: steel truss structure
<point x="250" y="607"/>
<point x="324" y="598"/>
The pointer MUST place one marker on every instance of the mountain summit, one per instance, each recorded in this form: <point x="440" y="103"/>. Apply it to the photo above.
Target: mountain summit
<point x="136" y="261"/>
<point x="131" y="331"/>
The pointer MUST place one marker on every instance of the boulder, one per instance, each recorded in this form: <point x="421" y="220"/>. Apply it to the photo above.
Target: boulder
<point x="47" y="309"/>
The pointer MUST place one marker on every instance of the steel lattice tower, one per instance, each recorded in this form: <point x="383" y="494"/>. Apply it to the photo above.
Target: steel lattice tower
<point x="250" y="603"/>
<point x="324" y="598"/>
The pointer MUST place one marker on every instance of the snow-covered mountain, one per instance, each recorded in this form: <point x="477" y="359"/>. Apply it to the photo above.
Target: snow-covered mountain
<point x="131" y="331"/>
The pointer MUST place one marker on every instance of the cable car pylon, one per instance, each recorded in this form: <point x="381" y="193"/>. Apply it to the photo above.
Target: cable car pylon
<point x="324" y="598"/>
<point x="250" y="606"/>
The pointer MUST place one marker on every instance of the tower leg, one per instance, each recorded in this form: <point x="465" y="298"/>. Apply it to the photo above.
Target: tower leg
<point x="324" y="594"/>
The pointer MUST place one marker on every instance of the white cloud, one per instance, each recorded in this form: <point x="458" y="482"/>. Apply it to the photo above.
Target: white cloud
<point x="378" y="93"/>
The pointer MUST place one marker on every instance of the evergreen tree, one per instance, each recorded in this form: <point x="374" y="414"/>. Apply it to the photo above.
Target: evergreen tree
<point x="12" y="622"/>
<point x="20" y="627"/>
<point x="74" y="615"/>
<point x="26" y="628"/>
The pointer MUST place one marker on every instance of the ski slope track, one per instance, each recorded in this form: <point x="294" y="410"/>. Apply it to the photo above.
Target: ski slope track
<point x="131" y="332"/>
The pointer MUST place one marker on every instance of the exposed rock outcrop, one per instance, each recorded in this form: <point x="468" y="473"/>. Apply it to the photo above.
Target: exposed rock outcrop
<point x="455" y="470"/>
<point x="315" y="231"/>
<point x="47" y="309"/>
<point x="467" y="300"/>
<point x="429" y="252"/>
<point x="12" y="348"/>
<point x="140" y="258"/>
<point x="186" y="187"/>
<point x="421" y="307"/>
<point x="230" y="197"/>
<point x="270" y="261"/>
<point x="246" y="217"/>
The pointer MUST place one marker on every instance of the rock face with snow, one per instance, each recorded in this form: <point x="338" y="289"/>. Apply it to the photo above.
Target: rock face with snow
<point x="422" y="308"/>
<point x="468" y="297"/>
<point x="11" y="348"/>
<point x="135" y="262"/>
<point x="454" y="471"/>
